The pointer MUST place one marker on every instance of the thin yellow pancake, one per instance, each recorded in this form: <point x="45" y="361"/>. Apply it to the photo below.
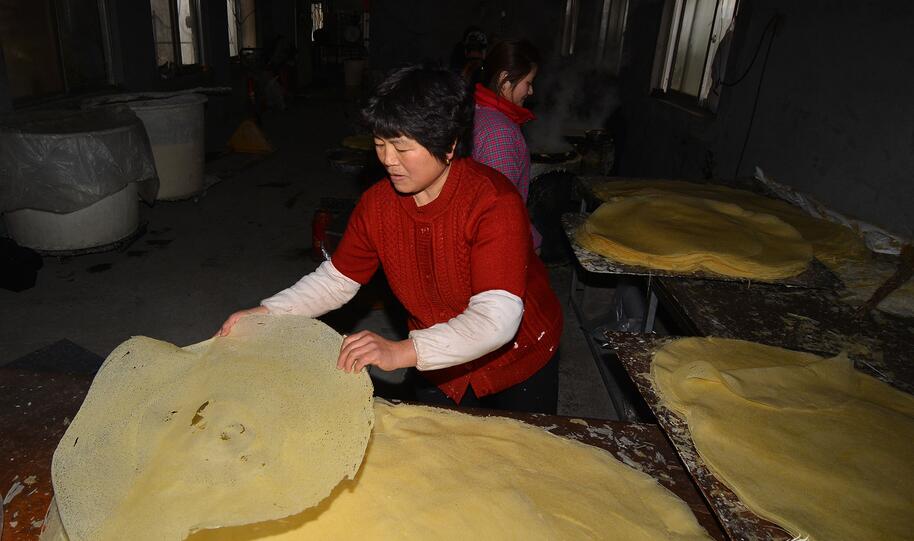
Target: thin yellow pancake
<point x="806" y="442"/>
<point x="832" y="243"/>
<point x="437" y="474"/>
<point x="686" y="234"/>
<point x="255" y="426"/>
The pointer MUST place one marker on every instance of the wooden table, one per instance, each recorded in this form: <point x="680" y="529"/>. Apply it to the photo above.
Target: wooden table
<point x="38" y="404"/>
<point x="635" y="353"/>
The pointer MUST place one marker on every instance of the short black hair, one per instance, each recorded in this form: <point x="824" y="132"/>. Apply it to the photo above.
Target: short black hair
<point x="428" y="104"/>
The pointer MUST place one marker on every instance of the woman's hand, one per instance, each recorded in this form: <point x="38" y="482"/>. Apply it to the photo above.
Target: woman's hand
<point x="365" y="347"/>
<point x="232" y="319"/>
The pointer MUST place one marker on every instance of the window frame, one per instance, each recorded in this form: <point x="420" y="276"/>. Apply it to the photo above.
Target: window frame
<point x="716" y="53"/>
<point x="67" y="87"/>
<point x="317" y="23"/>
<point x="243" y="25"/>
<point x="174" y="17"/>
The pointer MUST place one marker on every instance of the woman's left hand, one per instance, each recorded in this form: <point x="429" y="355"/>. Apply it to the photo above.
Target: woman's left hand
<point x="365" y="347"/>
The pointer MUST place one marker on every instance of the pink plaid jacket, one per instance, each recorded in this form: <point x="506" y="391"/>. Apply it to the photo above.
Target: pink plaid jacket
<point x="499" y="143"/>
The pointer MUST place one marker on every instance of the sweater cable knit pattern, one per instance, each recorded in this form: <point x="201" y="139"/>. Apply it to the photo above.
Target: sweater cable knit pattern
<point x="473" y="237"/>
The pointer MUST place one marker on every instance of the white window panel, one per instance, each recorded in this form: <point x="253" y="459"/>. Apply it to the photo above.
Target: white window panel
<point x="694" y="30"/>
<point x="232" y="27"/>
<point x="162" y="32"/>
<point x="176" y="31"/>
<point x="187" y="32"/>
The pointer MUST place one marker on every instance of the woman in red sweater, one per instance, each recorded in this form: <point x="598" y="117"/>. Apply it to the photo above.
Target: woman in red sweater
<point x="453" y="238"/>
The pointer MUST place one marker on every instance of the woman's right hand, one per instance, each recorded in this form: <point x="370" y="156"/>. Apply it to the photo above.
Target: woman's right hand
<point x="232" y="319"/>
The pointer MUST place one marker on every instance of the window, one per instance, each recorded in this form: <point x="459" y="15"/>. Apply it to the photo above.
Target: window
<point x="593" y="31"/>
<point x="692" y="48"/>
<point x="175" y="27"/>
<point x="187" y="32"/>
<point x="613" y="15"/>
<point x="569" y="27"/>
<point x="232" y="27"/>
<point x="30" y="48"/>
<point x="317" y="17"/>
<point x="241" y="27"/>
<point x="54" y="47"/>
<point x="161" y="29"/>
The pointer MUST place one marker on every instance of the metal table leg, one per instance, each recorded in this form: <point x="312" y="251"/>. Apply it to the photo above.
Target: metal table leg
<point x="574" y="277"/>
<point x="648" y="323"/>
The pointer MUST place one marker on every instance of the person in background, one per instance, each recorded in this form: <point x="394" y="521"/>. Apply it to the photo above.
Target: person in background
<point x="508" y="73"/>
<point x="453" y="238"/>
<point x="468" y="55"/>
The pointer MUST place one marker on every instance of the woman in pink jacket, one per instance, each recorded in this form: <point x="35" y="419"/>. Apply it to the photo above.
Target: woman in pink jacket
<point x="507" y="74"/>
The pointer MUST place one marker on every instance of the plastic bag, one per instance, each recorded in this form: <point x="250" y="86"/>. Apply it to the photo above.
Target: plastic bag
<point x="64" y="161"/>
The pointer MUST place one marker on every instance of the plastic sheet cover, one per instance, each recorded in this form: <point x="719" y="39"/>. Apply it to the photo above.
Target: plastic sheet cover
<point x="64" y="161"/>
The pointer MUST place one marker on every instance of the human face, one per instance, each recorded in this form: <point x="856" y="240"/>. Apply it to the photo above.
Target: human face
<point x="519" y="92"/>
<point x="413" y="170"/>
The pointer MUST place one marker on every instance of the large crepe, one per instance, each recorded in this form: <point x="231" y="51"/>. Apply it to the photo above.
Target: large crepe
<point x="806" y="442"/>
<point x="255" y="426"/>
<point x="832" y="243"/>
<point x="686" y="234"/>
<point x="436" y="474"/>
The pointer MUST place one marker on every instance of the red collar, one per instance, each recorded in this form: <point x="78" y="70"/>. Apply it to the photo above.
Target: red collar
<point x="516" y="113"/>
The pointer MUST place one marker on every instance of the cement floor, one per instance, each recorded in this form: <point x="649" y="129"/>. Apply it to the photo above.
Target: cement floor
<point x="243" y="239"/>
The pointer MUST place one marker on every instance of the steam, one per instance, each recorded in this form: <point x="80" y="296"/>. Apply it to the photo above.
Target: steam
<point x="571" y="99"/>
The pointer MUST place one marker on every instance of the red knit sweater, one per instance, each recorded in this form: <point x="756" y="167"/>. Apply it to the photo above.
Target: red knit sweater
<point x="474" y="237"/>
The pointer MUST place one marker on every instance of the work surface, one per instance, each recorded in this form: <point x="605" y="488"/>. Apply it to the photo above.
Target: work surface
<point x="815" y="276"/>
<point x="38" y="398"/>
<point x="801" y="319"/>
<point x="635" y="353"/>
<point x="811" y="319"/>
<point x="37" y="404"/>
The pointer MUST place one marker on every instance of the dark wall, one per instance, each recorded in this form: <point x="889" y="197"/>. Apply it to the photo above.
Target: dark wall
<point x="404" y="31"/>
<point x="834" y="116"/>
<point x="215" y="41"/>
<point x="6" y="101"/>
<point x="277" y="18"/>
<point x="133" y="48"/>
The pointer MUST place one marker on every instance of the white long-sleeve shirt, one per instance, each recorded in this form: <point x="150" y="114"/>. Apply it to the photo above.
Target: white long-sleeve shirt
<point x="490" y="320"/>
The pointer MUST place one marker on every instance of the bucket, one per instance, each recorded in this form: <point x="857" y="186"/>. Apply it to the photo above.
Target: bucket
<point x="353" y="68"/>
<point x="106" y="221"/>
<point x="176" y="133"/>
